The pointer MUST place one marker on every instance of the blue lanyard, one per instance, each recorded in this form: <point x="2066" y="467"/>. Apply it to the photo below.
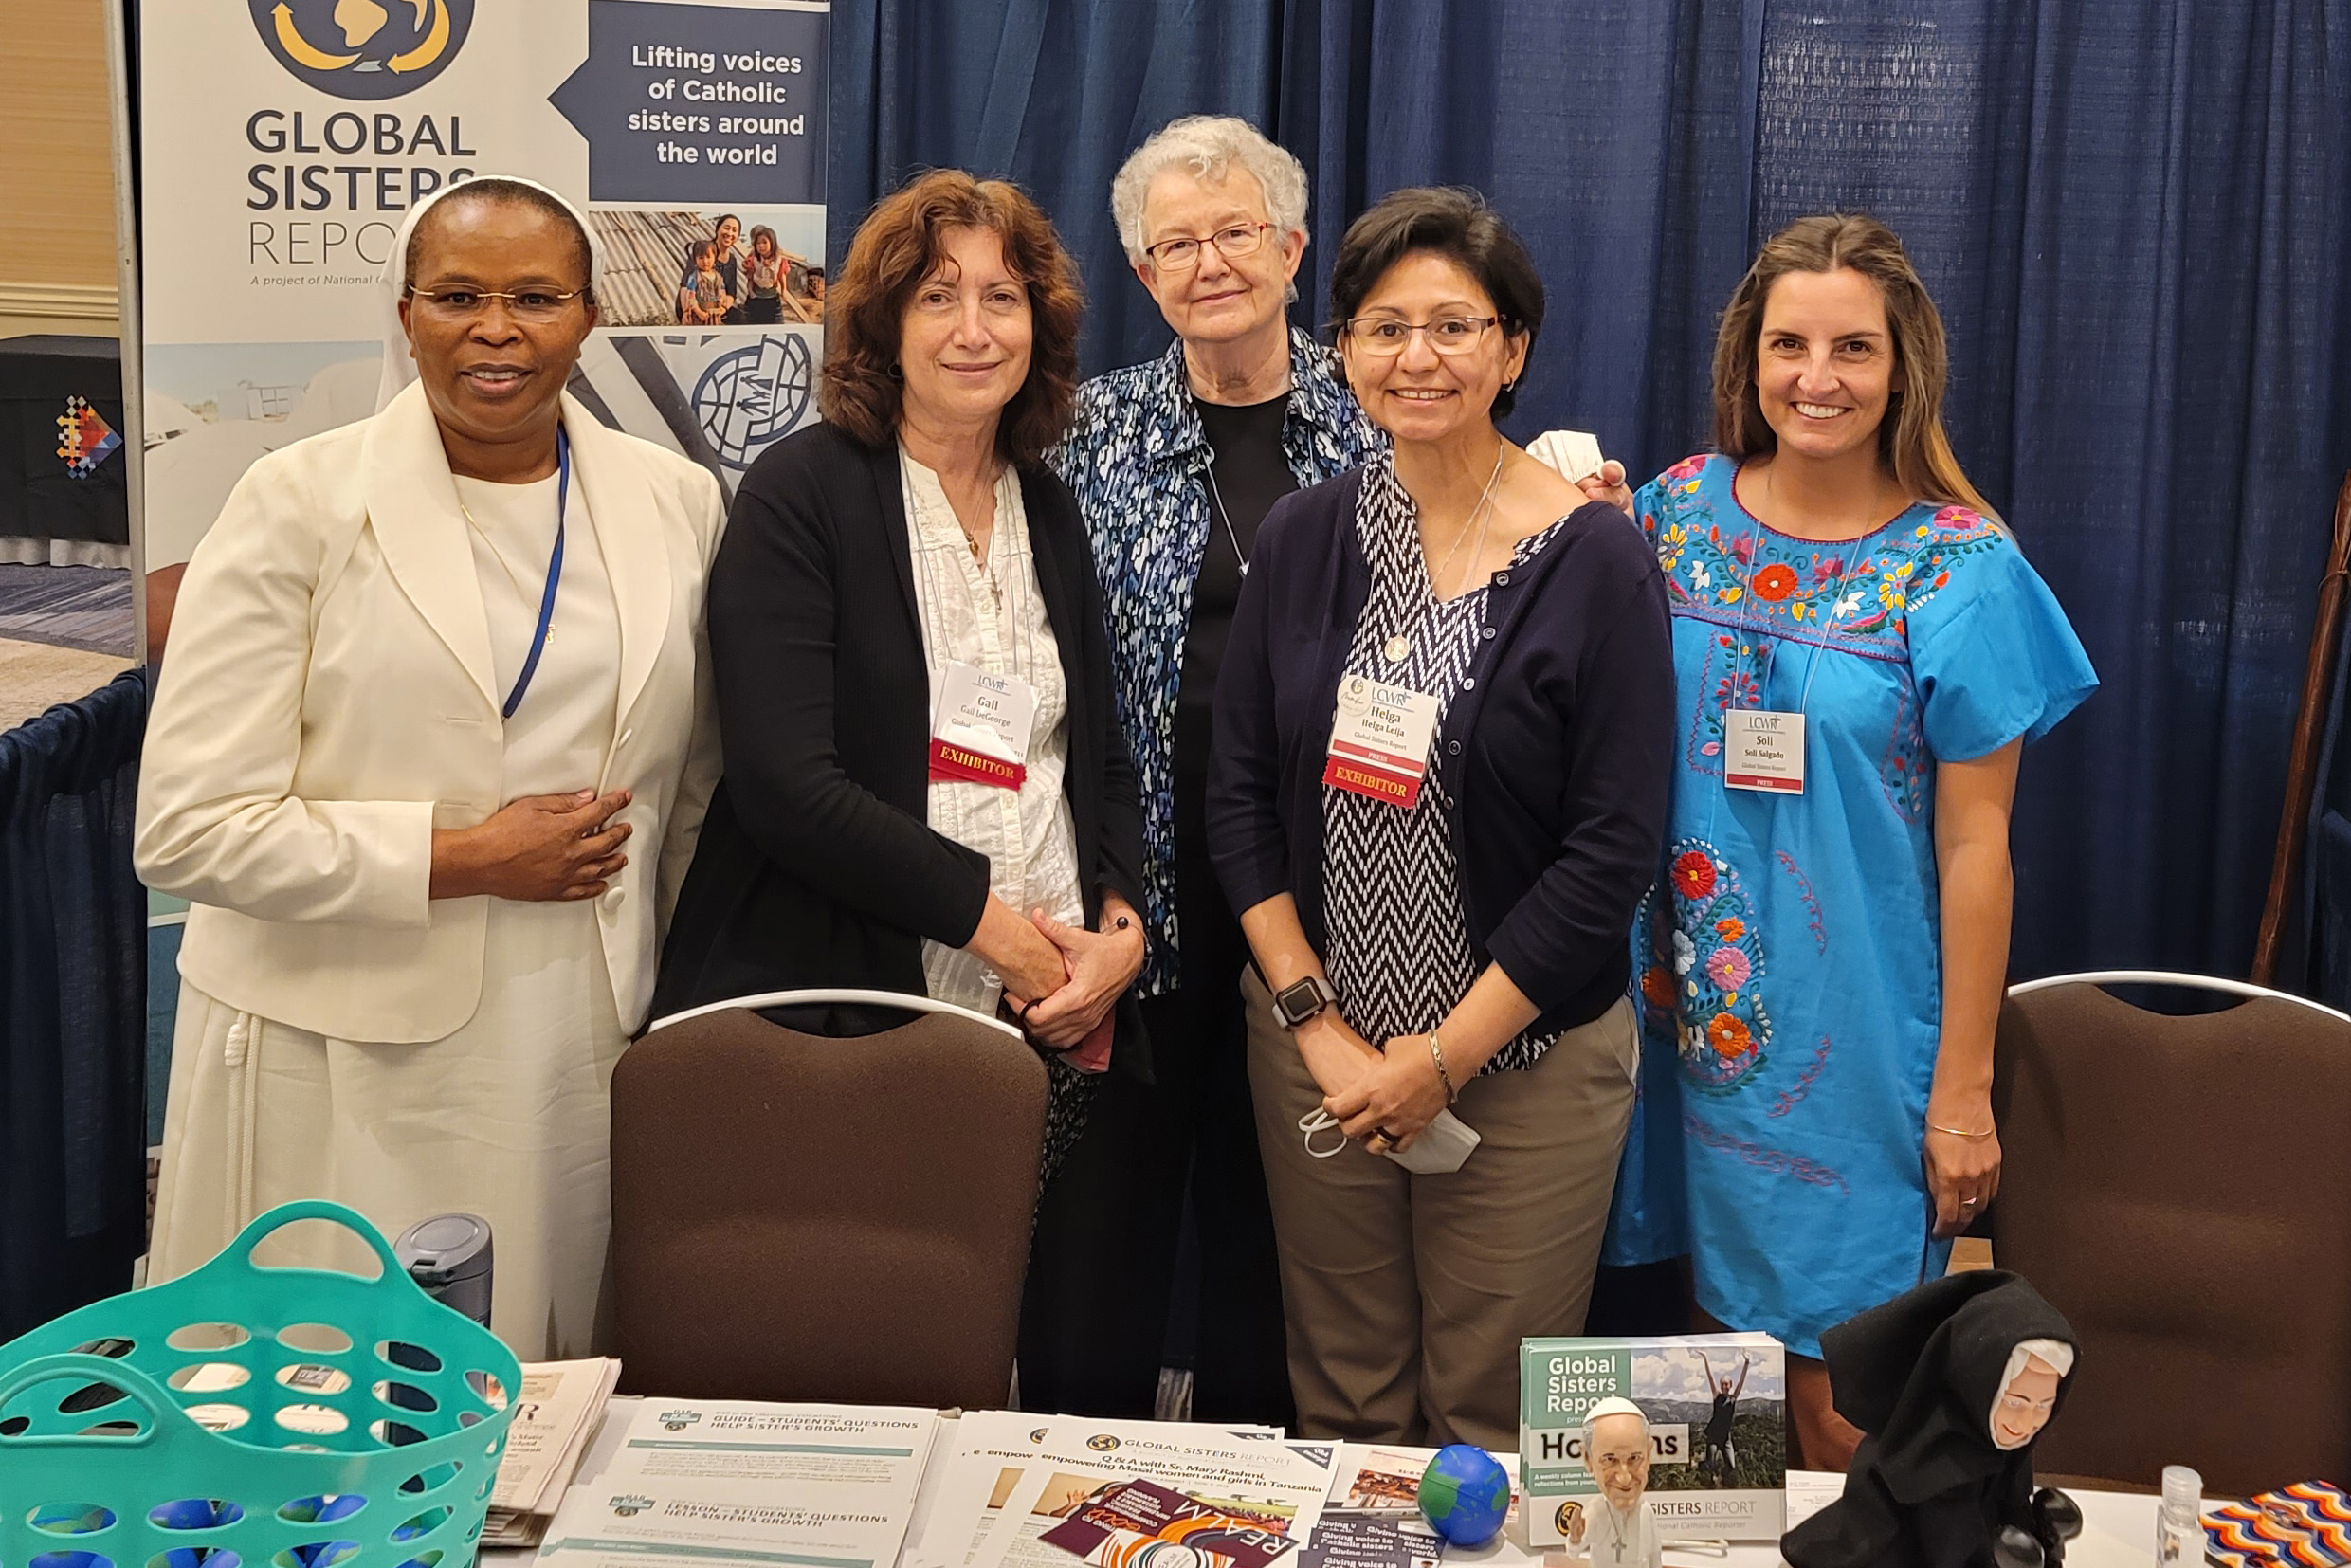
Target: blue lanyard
<point x="554" y="575"/>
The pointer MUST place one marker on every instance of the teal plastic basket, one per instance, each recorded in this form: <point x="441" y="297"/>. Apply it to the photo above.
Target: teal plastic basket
<point x="360" y="1421"/>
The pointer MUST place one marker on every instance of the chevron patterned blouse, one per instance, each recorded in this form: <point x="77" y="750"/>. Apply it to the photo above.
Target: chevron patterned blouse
<point x="1399" y="946"/>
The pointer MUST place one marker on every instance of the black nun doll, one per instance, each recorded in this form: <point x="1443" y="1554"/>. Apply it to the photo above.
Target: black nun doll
<point x="1950" y="1383"/>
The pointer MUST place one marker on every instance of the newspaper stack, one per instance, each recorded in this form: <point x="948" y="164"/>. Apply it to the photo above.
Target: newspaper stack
<point x="556" y="1417"/>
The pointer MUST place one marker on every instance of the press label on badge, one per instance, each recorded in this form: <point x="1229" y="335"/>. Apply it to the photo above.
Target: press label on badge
<point x="1764" y="750"/>
<point x="1379" y="740"/>
<point x="980" y="728"/>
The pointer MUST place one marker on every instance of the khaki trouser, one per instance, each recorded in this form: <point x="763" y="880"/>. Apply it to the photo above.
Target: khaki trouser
<point x="1407" y="1295"/>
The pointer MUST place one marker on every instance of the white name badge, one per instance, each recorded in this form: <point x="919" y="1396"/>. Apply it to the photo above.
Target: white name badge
<point x="980" y="728"/>
<point x="1379" y="740"/>
<point x="1762" y="750"/>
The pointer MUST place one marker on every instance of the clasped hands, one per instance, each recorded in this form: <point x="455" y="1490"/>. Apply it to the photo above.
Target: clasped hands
<point x="1063" y="979"/>
<point x="1368" y="1092"/>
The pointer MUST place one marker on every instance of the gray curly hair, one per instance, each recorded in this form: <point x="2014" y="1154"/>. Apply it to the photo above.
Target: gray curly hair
<point x="1208" y="145"/>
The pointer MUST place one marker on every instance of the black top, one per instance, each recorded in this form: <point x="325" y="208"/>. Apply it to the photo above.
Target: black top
<point x="817" y="865"/>
<point x="1249" y="474"/>
<point x="1556" y="754"/>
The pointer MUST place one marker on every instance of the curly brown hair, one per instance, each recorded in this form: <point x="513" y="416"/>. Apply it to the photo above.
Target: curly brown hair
<point x="898" y="246"/>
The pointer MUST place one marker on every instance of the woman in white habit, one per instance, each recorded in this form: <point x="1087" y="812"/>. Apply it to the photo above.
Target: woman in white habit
<point x="429" y="753"/>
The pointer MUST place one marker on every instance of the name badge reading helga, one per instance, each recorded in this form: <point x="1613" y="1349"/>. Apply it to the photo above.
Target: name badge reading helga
<point x="980" y="728"/>
<point x="1379" y="740"/>
<point x="1762" y="750"/>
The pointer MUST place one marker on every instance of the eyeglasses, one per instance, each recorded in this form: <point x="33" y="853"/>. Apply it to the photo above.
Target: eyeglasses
<point x="524" y="304"/>
<point x="1232" y="244"/>
<point x="1384" y="336"/>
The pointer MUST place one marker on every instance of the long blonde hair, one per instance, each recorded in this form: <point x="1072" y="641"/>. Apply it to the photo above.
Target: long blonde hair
<point x="1911" y="442"/>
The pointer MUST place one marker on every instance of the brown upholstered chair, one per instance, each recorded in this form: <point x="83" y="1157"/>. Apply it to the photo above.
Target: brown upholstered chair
<point x="800" y="1217"/>
<point x="2180" y="1189"/>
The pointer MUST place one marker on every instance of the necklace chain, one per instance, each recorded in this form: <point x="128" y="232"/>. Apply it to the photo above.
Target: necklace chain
<point x="1484" y="511"/>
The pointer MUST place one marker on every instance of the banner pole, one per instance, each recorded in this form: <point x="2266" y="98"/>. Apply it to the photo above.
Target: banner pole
<point x="127" y="310"/>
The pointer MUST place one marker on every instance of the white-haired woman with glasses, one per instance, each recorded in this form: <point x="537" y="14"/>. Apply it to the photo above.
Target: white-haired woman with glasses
<point x="1444" y="729"/>
<point x="1173" y="462"/>
<point x="429" y="756"/>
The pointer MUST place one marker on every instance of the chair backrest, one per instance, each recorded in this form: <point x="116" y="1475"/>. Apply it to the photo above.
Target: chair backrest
<point x="801" y="1217"/>
<point x="2180" y="1189"/>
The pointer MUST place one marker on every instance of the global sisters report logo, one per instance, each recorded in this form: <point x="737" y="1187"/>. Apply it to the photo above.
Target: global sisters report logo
<point x="630" y="1505"/>
<point x="754" y="396"/>
<point x="363" y="48"/>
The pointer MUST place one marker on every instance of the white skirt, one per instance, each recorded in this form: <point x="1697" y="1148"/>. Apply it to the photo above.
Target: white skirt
<point x="509" y="1117"/>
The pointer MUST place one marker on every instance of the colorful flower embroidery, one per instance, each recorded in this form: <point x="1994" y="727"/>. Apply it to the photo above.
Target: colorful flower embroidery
<point x="1776" y="582"/>
<point x="1693" y="875"/>
<point x="1705" y="956"/>
<point x="1727" y="1036"/>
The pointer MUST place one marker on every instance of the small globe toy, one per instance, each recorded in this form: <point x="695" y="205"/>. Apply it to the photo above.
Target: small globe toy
<point x="1464" y="1494"/>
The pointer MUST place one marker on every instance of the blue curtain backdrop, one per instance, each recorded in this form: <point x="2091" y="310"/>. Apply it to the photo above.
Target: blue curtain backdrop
<point x="2132" y="213"/>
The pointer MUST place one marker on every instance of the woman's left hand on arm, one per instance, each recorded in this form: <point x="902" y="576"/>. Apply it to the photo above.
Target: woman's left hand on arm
<point x="1102" y="965"/>
<point x="1403" y="1094"/>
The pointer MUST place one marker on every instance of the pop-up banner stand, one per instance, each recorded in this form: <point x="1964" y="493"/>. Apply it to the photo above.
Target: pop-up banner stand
<point x="283" y="141"/>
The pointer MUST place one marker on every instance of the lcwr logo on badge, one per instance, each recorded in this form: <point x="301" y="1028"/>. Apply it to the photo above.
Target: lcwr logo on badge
<point x="363" y="48"/>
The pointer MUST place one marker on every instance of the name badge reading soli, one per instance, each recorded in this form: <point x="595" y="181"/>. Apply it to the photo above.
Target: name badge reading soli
<point x="980" y="728"/>
<point x="1762" y="750"/>
<point x="1379" y="740"/>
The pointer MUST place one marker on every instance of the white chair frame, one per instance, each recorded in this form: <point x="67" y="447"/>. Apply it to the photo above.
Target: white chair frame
<point x="824" y="997"/>
<point x="2172" y="977"/>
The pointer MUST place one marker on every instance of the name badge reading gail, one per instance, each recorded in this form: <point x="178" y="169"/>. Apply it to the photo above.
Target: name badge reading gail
<point x="1763" y="751"/>
<point x="980" y="728"/>
<point x="1379" y="741"/>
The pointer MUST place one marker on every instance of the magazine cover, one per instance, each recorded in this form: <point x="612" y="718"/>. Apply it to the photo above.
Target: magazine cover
<point x="1690" y="1440"/>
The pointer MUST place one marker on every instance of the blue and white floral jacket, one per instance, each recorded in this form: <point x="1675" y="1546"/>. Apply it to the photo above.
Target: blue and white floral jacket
<point x="1136" y="457"/>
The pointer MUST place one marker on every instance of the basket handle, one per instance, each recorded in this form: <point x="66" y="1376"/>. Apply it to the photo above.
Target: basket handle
<point x="284" y="1214"/>
<point x="161" y="1410"/>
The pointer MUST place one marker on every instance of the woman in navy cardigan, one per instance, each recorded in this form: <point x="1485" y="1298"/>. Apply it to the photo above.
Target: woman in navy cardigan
<point x="1438" y="792"/>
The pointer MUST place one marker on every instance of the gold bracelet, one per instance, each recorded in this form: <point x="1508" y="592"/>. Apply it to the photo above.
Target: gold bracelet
<point x="1956" y="1131"/>
<point x="1436" y="1054"/>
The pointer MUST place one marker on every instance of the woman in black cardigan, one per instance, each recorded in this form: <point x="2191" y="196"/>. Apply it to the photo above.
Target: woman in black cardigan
<point x="1443" y="728"/>
<point x="914" y="541"/>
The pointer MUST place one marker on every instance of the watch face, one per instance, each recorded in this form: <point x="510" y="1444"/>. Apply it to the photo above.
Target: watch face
<point x="1299" y="1002"/>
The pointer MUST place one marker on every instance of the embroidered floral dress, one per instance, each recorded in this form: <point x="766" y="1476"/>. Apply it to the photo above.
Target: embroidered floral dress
<point x="1788" y="963"/>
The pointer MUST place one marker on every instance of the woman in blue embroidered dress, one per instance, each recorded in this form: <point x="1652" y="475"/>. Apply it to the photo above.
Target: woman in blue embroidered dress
<point x="1821" y="964"/>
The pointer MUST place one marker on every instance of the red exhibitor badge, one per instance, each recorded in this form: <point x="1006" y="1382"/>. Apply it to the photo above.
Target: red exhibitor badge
<point x="957" y="765"/>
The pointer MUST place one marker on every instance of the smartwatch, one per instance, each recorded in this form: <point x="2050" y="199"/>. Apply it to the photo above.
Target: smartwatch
<point x="1294" y="1004"/>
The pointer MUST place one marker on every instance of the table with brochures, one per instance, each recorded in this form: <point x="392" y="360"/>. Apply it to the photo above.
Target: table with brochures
<point x="703" y="1461"/>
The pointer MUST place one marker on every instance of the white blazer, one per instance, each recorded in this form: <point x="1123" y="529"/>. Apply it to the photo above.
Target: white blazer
<point x="328" y="700"/>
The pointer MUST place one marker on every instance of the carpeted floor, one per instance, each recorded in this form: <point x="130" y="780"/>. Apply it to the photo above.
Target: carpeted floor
<point x="78" y="607"/>
<point x="37" y="676"/>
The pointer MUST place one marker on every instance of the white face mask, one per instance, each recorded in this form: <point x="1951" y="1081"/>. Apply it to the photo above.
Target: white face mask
<point x="1441" y="1147"/>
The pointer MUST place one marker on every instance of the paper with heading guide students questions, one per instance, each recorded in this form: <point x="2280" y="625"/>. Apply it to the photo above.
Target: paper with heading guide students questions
<point x="874" y="1453"/>
<point x="642" y="1522"/>
<point x="698" y="1481"/>
<point x="1011" y="1475"/>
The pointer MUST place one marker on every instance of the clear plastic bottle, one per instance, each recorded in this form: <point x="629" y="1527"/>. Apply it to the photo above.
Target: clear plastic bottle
<point x="2178" y="1525"/>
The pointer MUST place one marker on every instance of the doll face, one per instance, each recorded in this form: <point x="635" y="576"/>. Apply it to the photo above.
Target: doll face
<point x="2022" y="1408"/>
<point x="1620" y="1458"/>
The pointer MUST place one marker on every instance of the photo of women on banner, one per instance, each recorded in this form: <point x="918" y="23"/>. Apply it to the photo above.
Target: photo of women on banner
<point x="761" y="268"/>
